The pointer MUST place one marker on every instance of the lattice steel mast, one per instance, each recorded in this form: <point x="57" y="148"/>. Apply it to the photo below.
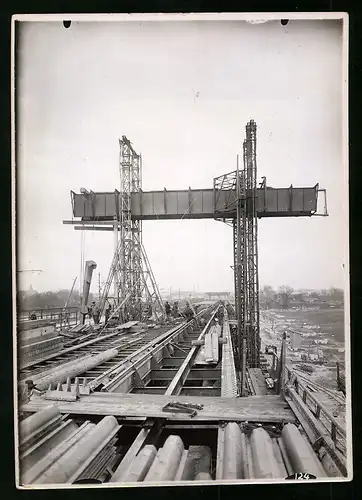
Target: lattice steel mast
<point x="251" y="242"/>
<point x="242" y="207"/>
<point x="130" y="269"/>
<point x="130" y="256"/>
<point x="240" y="266"/>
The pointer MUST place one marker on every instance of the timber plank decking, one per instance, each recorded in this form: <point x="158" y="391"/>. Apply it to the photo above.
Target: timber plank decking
<point x="253" y="409"/>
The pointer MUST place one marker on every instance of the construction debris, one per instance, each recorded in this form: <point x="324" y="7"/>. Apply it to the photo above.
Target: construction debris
<point x="188" y="408"/>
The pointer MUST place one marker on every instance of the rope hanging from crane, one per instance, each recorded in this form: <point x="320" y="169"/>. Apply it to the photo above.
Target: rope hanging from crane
<point x="82" y="261"/>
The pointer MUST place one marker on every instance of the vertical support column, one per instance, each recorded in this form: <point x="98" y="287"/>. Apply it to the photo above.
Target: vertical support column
<point x="243" y="377"/>
<point x="251" y="231"/>
<point x="238" y="270"/>
<point x="136" y="228"/>
<point x="283" y="364"/>
<point x="126" y="171"/>
<point x="115" y="278"/>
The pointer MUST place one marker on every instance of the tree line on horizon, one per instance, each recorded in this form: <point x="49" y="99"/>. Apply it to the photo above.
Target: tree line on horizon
<point x="286" y="296"/>
<point x="48" y="300"/>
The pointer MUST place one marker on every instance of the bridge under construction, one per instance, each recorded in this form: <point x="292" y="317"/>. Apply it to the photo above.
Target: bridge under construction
<point x="143" y="397"/>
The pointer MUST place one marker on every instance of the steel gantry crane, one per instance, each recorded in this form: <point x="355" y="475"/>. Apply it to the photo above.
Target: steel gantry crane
<point x="234" y="199"/>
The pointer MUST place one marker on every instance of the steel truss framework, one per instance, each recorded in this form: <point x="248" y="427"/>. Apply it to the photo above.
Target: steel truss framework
<point x="130" y="270"/>
<point x="243" y="182"/>
<point x="235" y="203"/>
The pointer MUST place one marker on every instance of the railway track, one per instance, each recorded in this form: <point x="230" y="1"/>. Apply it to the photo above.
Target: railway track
<point x="126" y="347"/>
<point x="179" y="374"/>
<point x="173" y="339"/>
<point x="127" y="354"/>
<point x="126" y="343"/>
<point x="147" y="413"/>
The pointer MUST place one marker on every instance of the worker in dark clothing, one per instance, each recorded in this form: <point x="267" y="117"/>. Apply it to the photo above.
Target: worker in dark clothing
<point x="175" y="310"/>
<point x="149" y="311"/>
<point x="220" y="314"/>
<point x="33" y="317"/>
<point x="95" y="313"/>
<point x="168" y="309"/>
<point x="107" y="313"/>
<point x="188" y="312"/>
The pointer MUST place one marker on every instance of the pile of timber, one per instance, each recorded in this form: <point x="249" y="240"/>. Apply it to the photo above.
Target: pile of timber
<point x="82" y="328"/>
<point x="209" y="352"/>
<point x="305" y="368"/>
<point x="38" y="343"/>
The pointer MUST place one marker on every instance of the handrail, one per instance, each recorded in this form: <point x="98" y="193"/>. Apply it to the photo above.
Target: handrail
<point x="45" y="309"/>
<point x="317" y="407"/>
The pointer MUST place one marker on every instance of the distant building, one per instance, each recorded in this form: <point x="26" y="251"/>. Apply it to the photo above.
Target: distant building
<point x="30" y="292"/>
<point x="218" y="295"/>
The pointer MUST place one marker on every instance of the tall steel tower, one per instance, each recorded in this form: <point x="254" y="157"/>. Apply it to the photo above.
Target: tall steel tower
<point x="130" y="271"/>
<point x="236" y="193"/>
<point x="251" y="243"/>
<point x="130" y="262"/>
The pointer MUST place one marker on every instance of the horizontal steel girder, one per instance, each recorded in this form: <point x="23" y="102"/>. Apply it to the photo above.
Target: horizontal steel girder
<point x="101" y="209"/>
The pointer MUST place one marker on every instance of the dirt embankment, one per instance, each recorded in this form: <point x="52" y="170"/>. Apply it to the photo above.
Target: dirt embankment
<point x="321" y="329"/>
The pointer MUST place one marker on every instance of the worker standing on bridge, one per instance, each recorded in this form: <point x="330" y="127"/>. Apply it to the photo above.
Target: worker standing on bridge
<point x="107" y="313"/>
<point x="175" y="309"/>
<point x="188" y="312"/>
<point x="167" y="309"/>
<point x="95" y="313"/>
<point x="149" y="310"/>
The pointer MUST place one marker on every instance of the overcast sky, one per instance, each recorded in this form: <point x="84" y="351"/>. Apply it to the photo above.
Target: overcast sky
<point x="182" y="92"/>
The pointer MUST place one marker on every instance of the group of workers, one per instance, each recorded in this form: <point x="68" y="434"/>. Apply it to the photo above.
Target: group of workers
<point x="173" y="311"/>
<point x="95" y="313"/>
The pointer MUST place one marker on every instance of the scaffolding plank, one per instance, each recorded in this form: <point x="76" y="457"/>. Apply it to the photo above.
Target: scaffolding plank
<point x="269" y="408"/>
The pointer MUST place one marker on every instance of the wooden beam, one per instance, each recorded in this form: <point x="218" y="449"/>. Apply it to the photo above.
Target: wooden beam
<point x="229" y="387"/>
<point x="252" y="409"/>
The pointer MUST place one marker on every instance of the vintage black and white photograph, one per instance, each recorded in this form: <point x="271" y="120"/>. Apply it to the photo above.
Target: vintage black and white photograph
<point x="181" y="212"/>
